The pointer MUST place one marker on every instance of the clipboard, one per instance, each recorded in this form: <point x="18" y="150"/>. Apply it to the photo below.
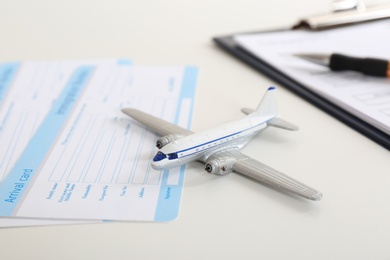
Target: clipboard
<point x="316" y="23"/>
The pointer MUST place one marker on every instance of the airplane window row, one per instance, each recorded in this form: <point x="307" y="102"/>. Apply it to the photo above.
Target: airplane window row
<point x="172" y="156"/>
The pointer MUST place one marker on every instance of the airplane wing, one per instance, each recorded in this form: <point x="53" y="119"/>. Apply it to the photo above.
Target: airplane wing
<point x="259" y="171"/>
<point x="263" y="173"/>
<point x="155" y="124"/>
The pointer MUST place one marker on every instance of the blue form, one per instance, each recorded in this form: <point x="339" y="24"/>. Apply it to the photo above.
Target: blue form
<point x="7" y="74"/>
<point x="13" y="187"/>
<point x="169" y="197"/>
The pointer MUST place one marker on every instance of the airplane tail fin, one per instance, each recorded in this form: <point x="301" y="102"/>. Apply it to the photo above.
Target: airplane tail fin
<point x="268" y="107"/>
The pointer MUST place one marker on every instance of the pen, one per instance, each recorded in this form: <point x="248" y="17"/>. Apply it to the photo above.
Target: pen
<point x="339" y="62"/>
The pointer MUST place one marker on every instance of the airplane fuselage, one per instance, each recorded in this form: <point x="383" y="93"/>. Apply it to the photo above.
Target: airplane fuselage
<point x="200" y="145"/>
<point x="218" y="148"/>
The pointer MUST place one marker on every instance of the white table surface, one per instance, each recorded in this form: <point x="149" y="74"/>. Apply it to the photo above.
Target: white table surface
<point x="227" y="217"/>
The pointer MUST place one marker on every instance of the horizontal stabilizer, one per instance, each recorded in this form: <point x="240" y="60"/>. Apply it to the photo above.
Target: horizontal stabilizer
<point x="281" y="123"/>
<point x="247" y="111"/>
<point x="276" y="122"/>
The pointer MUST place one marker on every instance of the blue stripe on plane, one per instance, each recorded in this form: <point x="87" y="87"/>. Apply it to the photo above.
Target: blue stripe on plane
<point x="217" y="139"/>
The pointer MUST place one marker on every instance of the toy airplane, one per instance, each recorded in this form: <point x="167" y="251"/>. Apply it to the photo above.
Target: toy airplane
<point x="219" y="148"/>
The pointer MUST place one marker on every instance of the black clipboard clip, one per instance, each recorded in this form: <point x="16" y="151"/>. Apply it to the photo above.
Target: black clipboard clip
<point x="345" y="12"/>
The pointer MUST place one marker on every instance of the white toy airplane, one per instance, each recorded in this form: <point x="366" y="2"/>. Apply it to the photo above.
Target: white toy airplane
<point x="219" y="148"/>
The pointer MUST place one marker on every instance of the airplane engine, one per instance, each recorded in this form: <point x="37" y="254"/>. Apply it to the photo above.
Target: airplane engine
<point x="220" y="165"/>
<point x="164" y="140"/>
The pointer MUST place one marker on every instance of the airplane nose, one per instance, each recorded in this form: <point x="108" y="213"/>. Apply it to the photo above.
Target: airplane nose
<point x="164" y="164"/>
<point x="155" y="166"/>
<point x="159" y="166"/>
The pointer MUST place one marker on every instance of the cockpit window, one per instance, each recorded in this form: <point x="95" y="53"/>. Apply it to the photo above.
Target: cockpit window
<point x="159" y="156"/>
<point x="172" y="156"/>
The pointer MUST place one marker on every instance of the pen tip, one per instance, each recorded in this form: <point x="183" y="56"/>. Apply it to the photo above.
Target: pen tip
<point x="299" y="55"/>
<point x="320" y="59"/>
